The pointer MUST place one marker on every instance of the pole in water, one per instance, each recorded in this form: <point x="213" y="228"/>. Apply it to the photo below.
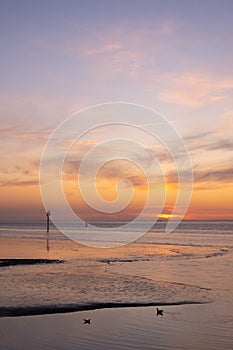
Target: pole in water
<point x="48" y="215"/>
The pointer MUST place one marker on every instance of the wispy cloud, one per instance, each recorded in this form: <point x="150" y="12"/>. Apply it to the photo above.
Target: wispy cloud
<point x="19" y="183"/>
<point x="192" y="88"/>
<point x="209" y="142"/>
<point x="223" y="176"/>
<point x="35" y="111"/>
<point x="115" y="49"/>
<point x="18" y="131"/>
<point x="136" y="52"/>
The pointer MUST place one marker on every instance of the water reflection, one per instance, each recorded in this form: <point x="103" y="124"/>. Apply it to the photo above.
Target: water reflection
<point x="47" y="242"/>
<point x="120" y="329"/>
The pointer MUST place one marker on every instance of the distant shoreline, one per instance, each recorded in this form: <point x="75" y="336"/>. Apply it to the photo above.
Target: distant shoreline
<point x="93" y="222"/>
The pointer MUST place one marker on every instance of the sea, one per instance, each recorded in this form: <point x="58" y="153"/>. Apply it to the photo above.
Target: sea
<point x="49" y="284"/>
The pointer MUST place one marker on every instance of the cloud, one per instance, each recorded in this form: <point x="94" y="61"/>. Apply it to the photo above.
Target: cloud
<point x="205" y="177"/>
<point x="22" y="132"/>
<point x="196" y="137"/>
<point x="224" y="175"/>
<point x="191" y="87"/>
<point x="25" y="174"/>
<point x="114" y="49"/>
<point x="123" y="170"/>
<point x="137" y="52"/>
<point x="110" y="172"/>
<point x="211" y="140"/>
<point x="225" y="124"/>
<point x="19" y="183"/>
<point x="214" y="145"/>
<point x="33" y="112"/>
<point x="225" y="144"/>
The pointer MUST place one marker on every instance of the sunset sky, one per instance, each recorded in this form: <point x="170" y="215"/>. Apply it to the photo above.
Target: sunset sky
<point x="58" y="57"/>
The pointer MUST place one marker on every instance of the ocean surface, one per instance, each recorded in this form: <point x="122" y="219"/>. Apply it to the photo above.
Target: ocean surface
<point x="52" y="283"/>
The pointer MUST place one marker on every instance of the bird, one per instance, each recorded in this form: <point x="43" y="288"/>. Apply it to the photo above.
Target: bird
<point x="86" y="321"/>
<point x="159" y="312"/>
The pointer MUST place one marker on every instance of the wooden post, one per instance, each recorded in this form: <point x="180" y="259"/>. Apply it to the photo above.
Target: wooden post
<point x="48" y="215"/>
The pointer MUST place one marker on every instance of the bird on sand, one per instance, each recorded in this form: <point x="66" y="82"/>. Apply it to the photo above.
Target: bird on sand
<point x="86" y="321"/>
<point x="159" y="312"/>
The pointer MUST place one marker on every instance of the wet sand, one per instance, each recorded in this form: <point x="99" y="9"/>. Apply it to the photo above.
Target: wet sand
<point x="33" y="248"/>
<point x="85" y="278"/>
<point x="112" y="287"/>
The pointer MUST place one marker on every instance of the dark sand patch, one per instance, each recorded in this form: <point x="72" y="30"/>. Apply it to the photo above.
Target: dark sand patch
<point x="16" y="262"/>
<point x="55" y="309"/>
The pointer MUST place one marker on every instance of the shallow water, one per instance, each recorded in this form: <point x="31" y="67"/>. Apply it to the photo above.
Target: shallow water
<point x="181" y="327"/>
<point x="203" y="233"/>
<point x="192" y="265"/>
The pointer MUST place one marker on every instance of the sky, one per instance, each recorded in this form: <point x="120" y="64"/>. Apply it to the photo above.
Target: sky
<point x="59" y="57"/>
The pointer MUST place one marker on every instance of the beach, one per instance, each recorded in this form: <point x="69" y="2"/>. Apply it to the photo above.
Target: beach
<point x="116" y="225"/>
<point x="48" y="288"/>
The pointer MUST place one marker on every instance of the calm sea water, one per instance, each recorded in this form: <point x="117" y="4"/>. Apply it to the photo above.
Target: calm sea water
<point x="196" y="266"/>
<point x="216" y="233"/>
